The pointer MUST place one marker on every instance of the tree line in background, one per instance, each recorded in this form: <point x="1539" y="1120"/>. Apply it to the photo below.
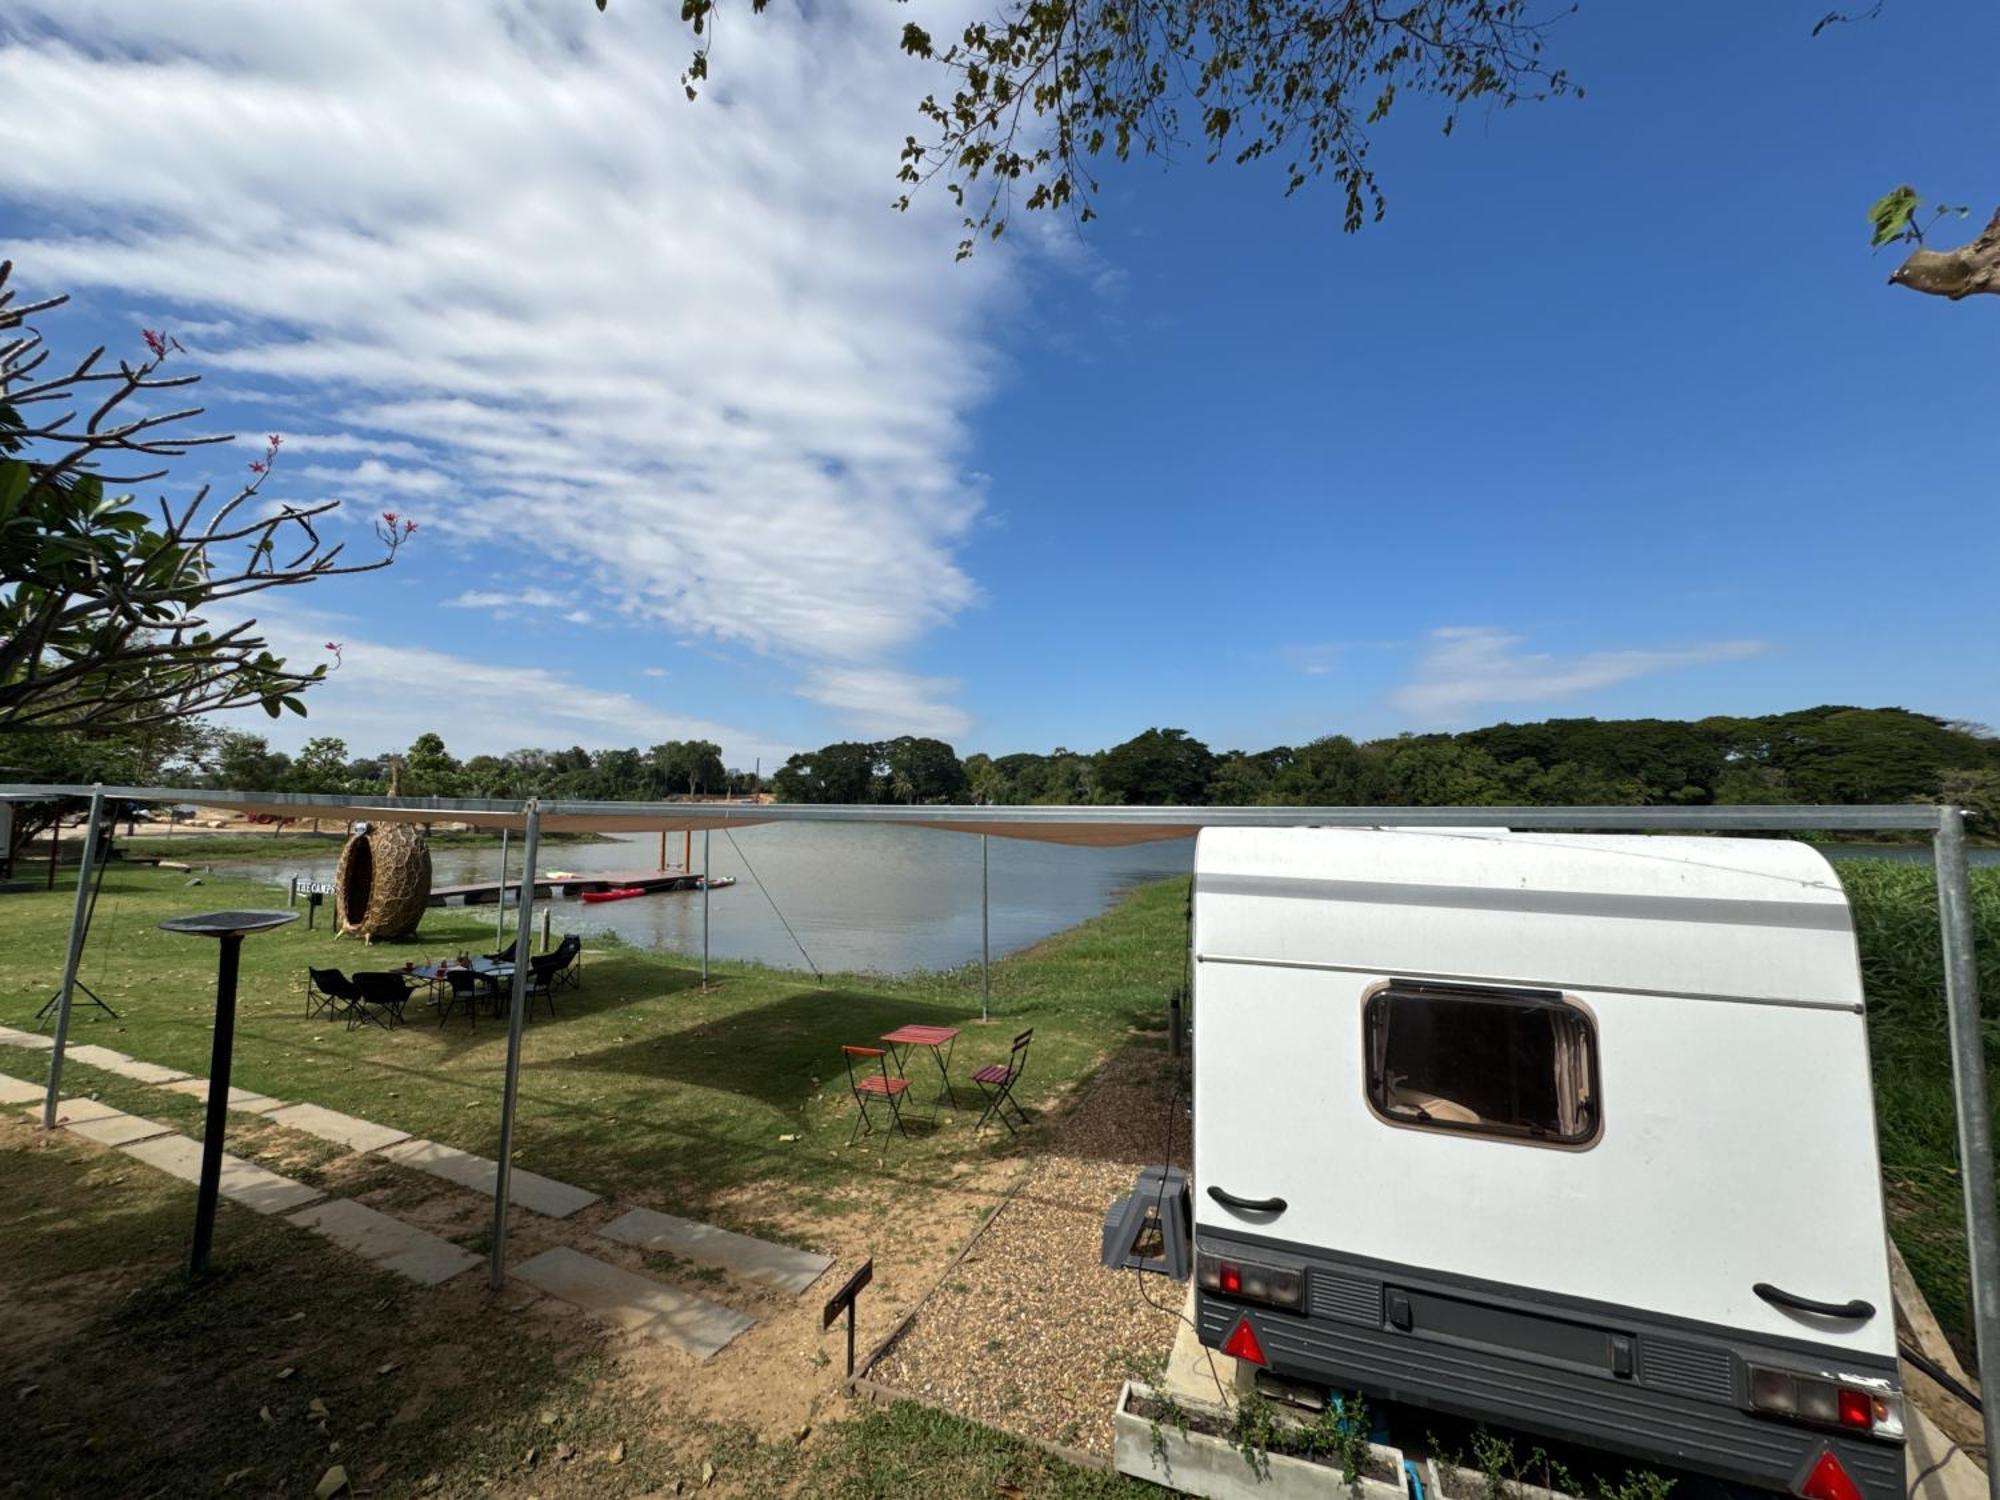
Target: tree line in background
<point x="189" y="752"/>
<point x="1827" y="755"/>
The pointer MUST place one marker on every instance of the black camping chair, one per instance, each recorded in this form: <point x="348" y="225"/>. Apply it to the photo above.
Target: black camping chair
<point x="468" y="988"/>
<point x="996" y="1081"/>
<point x="545" y="975"/>
<point x="328" y="993"/>
<point x="568" y="973"/>
<point x="379" y="996"/>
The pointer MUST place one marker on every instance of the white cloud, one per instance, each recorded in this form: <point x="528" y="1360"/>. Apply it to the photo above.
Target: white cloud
<point x="688" y="348"/>
<point x="385" y="694"/>
<point x="880" y="703"/>
<point x="523" y="598"/>
<point x="1467" y="667"/>
<point x="654" y="672"/>
<point x="373" y="477"/>
<point x="1314" y="660"/>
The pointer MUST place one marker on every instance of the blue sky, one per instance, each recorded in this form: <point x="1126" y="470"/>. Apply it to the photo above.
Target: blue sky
<point x="1612" y="415"/>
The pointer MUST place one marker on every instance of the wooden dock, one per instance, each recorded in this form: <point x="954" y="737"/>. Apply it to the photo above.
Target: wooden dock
<point x="485" y="892"/>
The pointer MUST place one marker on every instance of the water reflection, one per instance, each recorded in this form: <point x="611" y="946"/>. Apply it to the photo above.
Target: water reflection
<point x="860" y="897"/>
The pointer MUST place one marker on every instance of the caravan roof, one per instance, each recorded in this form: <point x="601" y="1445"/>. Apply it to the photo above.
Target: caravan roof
<point x="1749" y="919"/>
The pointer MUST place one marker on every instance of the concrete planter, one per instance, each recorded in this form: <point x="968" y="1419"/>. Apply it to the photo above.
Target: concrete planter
<point x="1456" y="1482"/>
<point x="1210" y="1465"/>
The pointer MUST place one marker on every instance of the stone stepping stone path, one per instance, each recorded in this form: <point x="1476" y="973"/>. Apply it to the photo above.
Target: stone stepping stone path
<point x="118" y="1129"/>
<point x="20" y="1091"/>
<point x="423" y="1257"/>
<point x="542" y="1195"/>
<point x="742" y="1255"/>
<point x="95" y="1056"/>
<point x="97" y="1122"/>
<point x="242" y="1181"/>
<point x="9" y="1037"/>
<point x="330" y="1125"/>
<point x="247" y="1100"/>
<point x="633" y="1303"/>
<point x="69" y="1111"/>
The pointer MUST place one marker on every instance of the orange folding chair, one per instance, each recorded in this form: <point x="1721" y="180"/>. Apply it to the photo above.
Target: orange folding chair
<point x="996" y="1082"/>
<point x="869" y="1084"/>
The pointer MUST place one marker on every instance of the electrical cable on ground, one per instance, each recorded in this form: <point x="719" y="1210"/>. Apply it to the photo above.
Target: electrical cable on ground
<point x="1918" y="1483"/>
<point x="1942" y="1376"/>
<point x="1159" y="1217"/>
<point x="774" y="907"/>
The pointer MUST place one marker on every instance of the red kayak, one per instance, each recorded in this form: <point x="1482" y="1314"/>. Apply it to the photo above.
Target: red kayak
<point x="617" y="893"/>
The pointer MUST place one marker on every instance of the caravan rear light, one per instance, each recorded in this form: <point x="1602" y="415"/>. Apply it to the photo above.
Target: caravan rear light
<point x="1824" y="1402"/>
<point x="1856" y="1409"/>
<point x="1771" y="1391"/>
<point x="1252" y="1280"/>
<point x="1829" y="1481"/>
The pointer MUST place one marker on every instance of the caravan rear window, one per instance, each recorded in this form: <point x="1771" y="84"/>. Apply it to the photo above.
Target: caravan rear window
<point x="1513" y="1064"/>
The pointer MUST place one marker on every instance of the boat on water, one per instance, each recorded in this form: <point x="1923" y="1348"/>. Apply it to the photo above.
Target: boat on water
<point x="616" y="893"/>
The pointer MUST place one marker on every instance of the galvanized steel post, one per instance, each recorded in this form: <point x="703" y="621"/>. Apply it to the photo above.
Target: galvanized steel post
<point x="75" y="957"/>
<point x="500" y="901"/>
<point x="1975" y="1132"/>
<point x="985" y="930"/>
<point x="517" y="1014"/>
<point x="705" y="834"/>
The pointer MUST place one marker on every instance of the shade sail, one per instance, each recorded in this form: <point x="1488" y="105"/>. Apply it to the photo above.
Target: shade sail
<point x="1085" y="826"/>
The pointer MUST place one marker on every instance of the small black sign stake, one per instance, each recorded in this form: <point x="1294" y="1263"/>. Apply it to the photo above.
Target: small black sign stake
<point x="844" y="1298"/>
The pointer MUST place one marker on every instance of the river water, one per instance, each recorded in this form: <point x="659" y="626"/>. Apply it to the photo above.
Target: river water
<point x="858" y="897"/>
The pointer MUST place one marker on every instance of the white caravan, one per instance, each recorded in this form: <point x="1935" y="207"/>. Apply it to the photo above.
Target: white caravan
<point x="1569" y="1133"/>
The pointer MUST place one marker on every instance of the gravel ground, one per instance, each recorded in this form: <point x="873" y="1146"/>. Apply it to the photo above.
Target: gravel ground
<point x="1029" y="1332"/>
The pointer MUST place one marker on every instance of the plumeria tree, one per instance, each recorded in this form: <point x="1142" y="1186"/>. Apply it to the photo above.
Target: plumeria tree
<point x="116" y="616"/>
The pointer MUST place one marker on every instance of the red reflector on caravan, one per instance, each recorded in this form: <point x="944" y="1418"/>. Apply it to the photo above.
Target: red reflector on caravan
<point x="1243" y="1345"/>
<point x="1856" y="1409"/>
<point x="1829" y="1481"/>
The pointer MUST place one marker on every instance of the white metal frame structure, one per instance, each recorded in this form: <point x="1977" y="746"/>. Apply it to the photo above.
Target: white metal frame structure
<point x="1107" y="826"/>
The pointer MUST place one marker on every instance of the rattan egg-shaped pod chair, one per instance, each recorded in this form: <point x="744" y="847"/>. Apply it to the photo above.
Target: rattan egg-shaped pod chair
<point x="383" y="881"/>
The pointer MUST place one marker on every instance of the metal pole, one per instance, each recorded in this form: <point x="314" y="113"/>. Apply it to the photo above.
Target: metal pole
<point x="985" y="931"/>
<point x="1975" y="1138"/>
<point x="704" y="907"/>
<point x="216" y="1120"/>
<point x="500" y="901"/>
<point x="531" y="848"/>
<point x="79" y="921"/>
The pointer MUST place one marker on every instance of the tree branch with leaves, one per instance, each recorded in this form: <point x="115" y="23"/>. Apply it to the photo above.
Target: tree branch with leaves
<point x="1042" y="91"/>
<point x="112" y="617"/>
<point x="1903" y="217"/>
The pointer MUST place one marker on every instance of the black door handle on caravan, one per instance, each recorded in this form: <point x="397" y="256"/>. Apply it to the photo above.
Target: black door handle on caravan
<point x="1248" y="1205"/>
<point x="1779" y="1297"/>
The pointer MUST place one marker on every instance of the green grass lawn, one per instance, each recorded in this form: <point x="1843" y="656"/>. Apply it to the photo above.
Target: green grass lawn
<point x="167" y="1389"/>
<point x="642" y="1082"/>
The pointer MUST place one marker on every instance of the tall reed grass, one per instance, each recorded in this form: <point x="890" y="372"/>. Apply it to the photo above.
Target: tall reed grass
<point x="1902" y="968"/>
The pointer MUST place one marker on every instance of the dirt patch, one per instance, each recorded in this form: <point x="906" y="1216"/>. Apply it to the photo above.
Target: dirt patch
<point x="1030" y="1332"/>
